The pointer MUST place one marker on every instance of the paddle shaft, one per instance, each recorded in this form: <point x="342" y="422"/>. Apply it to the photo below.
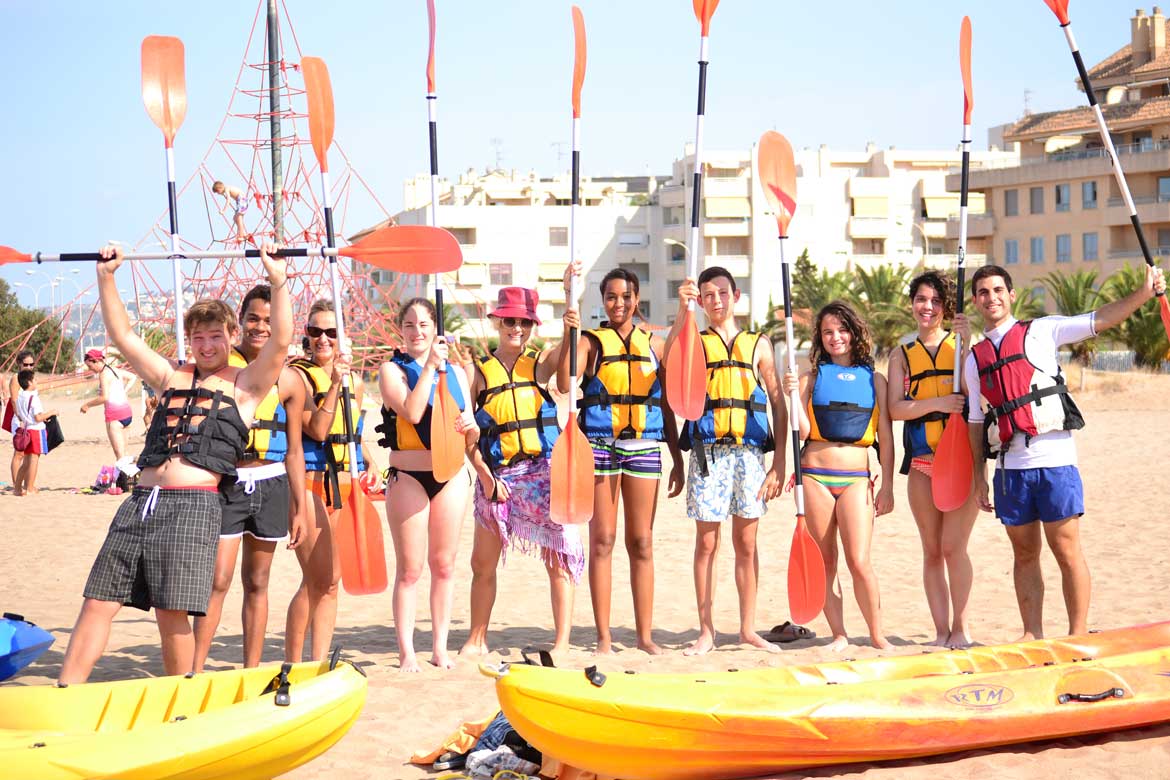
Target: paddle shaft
<point x="794" y="396"/>
<point x="176" y="270"/>
<point x="67" y="257"/>
<point x="963" y="191"/>
<point x="573" y="283"/>
<point x="697" y="179"/>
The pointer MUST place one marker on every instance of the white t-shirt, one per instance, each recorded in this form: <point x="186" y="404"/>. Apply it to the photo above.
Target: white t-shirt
<point x="1045" y="336"/>
<point x="28" y="406"/>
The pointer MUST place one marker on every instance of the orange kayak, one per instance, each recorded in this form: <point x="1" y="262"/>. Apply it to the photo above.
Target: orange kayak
<point x="743" y="724"/>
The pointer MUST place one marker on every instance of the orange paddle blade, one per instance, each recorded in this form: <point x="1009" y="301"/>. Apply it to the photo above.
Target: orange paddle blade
<point x="1162" y="302"/>
<point x="447" y="453"/>
<point x="571" y="496"/>
<point x="704" y="10"/>
<point x="164" y="83"/>
<point x="431" y="55"/>
<point x="408" y="249"/>
<point x="1060" y="8"/>
<point x="778" y="177"/>
<point x="806" y="575"/>
<point x="965" y="68"/>
<point x="578" y="59"/>
<point x="359" y="545"/>
<point x="686" y="372"/>
<point x="319" y="94"/>
<point x="10" y="255"/>
<point x="950" y="478"/>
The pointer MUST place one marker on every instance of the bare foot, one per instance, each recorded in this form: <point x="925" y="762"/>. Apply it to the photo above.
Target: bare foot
<point x="650" y="648"/>
<point x="474" y="649"/>
<point x="959" y="640"/>
<point x="408" y="663"/>
<point x="757" y="641"/>
<point x="880" y="642"/>
<point x="838" y="644"/>
<point x="703" y="645"/>
<point x="942" y="639"/>
<point x="604" y="647"/>
<point x="32" y="491"/>
<point x="442" y="660"/>
<point x="1028" y="636"/>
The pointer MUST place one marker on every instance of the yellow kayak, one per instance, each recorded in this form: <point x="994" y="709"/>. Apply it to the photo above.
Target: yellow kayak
<point x="711" y="726"/>
<point x="246" y="724"/>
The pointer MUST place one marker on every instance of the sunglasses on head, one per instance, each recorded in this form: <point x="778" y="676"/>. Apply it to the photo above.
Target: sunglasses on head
<point x="315" y="332"/>
<point x="511" y="322"/>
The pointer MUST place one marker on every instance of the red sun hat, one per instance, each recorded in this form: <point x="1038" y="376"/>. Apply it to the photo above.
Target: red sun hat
<point x="95" y="354"/>
<point x="516" y="302"/>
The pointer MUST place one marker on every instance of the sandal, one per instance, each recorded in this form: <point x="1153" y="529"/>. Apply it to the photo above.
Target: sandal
<point x="788" y="632"/>
<point x="449" y="760"/>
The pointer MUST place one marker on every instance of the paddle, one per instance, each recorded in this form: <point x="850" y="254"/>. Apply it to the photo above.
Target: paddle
<point x="411" y="249"/>
<point x="950" y="479"/>
<point x="447" y="451"/>
<point x="686" y="365"/>
<point x="806" y="567"/>
<point x="571" y="466"/>
<point x="164" y="91"/>
<point x="1060" y="8"/>
<point x="359" y="533"/>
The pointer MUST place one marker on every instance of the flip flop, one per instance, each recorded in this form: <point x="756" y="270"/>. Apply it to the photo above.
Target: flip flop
<point x="449" y="760"/>
<point x="788" y="632"/>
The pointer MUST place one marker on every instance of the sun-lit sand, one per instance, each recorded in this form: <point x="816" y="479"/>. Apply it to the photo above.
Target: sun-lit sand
<point x="50" y="541"/>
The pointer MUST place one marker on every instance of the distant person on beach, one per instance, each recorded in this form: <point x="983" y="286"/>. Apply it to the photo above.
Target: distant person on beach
<point x="32" y="416"/>
<point x="112" y="390"/>
<point x="842" y="414"/>
<point x="263" y="504"/>
<point x="1026" y="426"/>
<point x="625" y="418"/>
<point x="518" y="426"/>
<point x="25" y="361"/>
<point x="920" y="392"/>
<point x="159" y="552"/>
<point x="238" y="199"/>
<point x="726" y="478"/>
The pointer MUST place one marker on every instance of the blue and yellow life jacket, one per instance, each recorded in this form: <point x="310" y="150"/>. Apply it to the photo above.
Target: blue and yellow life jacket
<point x="623" y="399"/>
<point x="736" y="410"/>
<point x="843" y="405"/>
<point x="268" y="436"/>
<point x="333" y="452"/>
<point x="927" y="376"/>
<point x="405" y="435"/>
<point x="516" y="417"/>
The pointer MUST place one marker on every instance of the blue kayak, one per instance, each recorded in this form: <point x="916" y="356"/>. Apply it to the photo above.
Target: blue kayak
<point x="21" y="643"/>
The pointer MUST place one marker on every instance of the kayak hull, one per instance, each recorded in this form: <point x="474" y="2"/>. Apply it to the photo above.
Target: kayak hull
<point x="21" y="643"/>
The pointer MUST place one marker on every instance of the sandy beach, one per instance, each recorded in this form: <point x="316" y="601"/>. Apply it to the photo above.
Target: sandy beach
<point x="51" y="540"/>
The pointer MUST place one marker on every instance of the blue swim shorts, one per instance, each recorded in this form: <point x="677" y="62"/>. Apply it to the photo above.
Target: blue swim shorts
<point x="1023" y="496"/>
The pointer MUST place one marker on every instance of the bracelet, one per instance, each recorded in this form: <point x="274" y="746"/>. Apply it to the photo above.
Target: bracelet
<point x="329" y="411"/>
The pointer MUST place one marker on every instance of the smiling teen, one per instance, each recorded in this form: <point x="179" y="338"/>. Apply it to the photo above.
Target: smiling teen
<point x="160" y="550"/>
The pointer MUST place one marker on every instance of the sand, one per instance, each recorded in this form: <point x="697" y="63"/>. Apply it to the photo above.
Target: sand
<point x="51" y="540"/>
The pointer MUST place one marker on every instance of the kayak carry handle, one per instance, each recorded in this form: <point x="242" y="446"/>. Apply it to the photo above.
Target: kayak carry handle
<point x="1111" y="693"/>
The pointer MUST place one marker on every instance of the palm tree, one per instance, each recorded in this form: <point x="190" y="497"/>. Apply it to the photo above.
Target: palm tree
<point x="1142" y="331"/>
<point x="811" y="290"/>
<point x="1075" y="294"/>
<point x="879" y="294"/>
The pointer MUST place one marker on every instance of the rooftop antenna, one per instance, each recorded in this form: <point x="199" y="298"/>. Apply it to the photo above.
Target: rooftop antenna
<point x="498" y="145"/>
<point x="560" y="147"/>
<point x="1028" y="102"/>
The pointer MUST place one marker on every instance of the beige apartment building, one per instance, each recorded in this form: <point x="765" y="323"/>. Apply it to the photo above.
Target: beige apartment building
<point x="855" y="209"/>
<point x="1059" y="208"/>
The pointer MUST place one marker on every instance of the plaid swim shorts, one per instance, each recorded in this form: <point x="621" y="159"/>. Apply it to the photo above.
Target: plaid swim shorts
<point x="160" y="551"/>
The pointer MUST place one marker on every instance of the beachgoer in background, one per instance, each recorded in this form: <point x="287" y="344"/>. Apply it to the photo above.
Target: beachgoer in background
<point x="238" y="199"/>
<point x="32" y="416"/>
<point x="112" y="391"/>
<point x="25" y="361"/>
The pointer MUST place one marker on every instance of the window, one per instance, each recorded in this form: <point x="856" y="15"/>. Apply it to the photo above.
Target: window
<point x="1037" y="250"/>
<point x="500" y="273"/>
<point x="1036" y="200"/>
<point x="1089" y="245"/>
<point x="1011" y="251"/>
<point x="558" y="236"/>
<point x="1011" y="203"/>
<point x="465" y="236"/>
<point x="672" y="288"/>
<point x="1163" y="189"/>
<point x="1088" y="194"/>
<point x="678" y="253"/>
<point x="1163" y="241"/>
<point x="1064" y="248"/>
<point x="1063" y="197"/>
<point x="672" y="215"/>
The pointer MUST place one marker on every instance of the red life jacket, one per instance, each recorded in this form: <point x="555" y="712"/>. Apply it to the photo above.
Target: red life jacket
<point x="1023" y="398"/>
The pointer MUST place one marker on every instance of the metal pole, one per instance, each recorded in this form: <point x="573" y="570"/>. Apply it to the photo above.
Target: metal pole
<point x="274" y="124"/>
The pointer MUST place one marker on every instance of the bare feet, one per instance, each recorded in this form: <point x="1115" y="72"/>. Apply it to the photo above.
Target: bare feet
<point x="442" y="660"/>
<point x="959" y="640"/>
<point x="474" y="649"/>
<point x="838" y="644"/>
<point x="757" y="641"/>
<point x="1028" y="636"/>
<point x="649" y="647"/>
<point x="703" y="645"/>
<point x="942" y="639"/>
<point x="604" y="647"/>
<point x="880" y="642"/>
<point x="408" y="663"/>
<point x="32" y="491"/>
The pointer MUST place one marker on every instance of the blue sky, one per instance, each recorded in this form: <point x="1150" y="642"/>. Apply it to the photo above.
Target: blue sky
<point x="84" y="163"/>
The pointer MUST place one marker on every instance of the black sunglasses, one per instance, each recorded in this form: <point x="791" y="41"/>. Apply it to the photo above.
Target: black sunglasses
<point x="511" y="322"/>
<point x="315" y="332"/>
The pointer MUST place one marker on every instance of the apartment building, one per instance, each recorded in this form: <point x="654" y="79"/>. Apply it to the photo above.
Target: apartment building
<point x="1059" y="208"/>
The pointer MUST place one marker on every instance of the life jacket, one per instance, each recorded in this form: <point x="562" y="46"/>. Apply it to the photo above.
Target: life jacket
<point x="397" y="432"/>
<point x="1017" y="391"/>
<point x="197" y="419"/>
<point x="268" y="437"/>
<point x="927" y="376"/>
<point x="517" y="418"/>
<point x="736" y="408"/>
<point x="623" y="399"/>
<point x="843" y="405"/>
<point x="331" y="454"/>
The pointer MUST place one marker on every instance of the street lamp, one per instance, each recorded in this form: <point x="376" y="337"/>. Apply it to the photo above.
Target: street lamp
<point x="925" y="239"/>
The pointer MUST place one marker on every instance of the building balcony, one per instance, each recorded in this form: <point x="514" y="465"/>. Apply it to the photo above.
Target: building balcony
<point x="869" y="227"/>
<point x="740" y="227"/>
<point x="726" y="187"/>
<point x="1150" y="209"/>
<point x="551" y="292"/>
<point x="740" y="266"/>
<point x="1067" y="166"/>
<point x="672" y="195"/>
<point x="869" y="187"/>
<point x="978" y="226"/>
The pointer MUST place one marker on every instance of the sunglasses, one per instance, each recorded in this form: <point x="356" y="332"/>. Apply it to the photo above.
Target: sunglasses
<point x="28" y="365"/>
<point x="316" y="333"/>
<point x="511" y="322"/>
